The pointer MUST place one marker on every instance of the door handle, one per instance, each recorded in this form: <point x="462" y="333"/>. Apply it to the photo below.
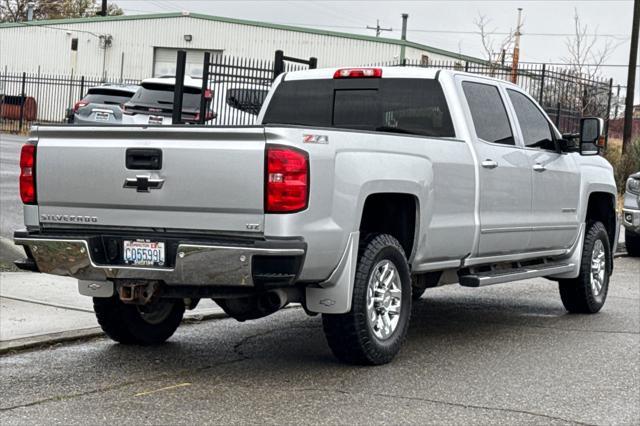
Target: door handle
<point x="489" y="164"/>
<point x="539" y="167"/>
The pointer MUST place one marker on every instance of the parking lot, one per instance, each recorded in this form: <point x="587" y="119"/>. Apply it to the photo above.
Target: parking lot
<point x="507" y="354"/>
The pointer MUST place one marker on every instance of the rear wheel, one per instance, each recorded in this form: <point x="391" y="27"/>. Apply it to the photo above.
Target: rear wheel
<point x="373" y="331"/>
<point x="587" y="293"/>
<point x="149" y="324"/>
<point x="632" y="242"/>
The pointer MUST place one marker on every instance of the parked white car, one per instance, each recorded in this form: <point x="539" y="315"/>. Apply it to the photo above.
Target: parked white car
<point x="237" y="103"/>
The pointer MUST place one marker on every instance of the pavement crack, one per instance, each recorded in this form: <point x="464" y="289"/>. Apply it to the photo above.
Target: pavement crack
<point x="450" y="404"/>
<point x="70" y="396"/>
<point x="237" y="348"/>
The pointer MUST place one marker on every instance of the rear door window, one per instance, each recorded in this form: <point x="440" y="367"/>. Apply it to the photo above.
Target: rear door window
<point x="107" y="96"/>
<point x="489" y="115"/>
<point x="161" y="95"/>
<point x="397" y="105"/>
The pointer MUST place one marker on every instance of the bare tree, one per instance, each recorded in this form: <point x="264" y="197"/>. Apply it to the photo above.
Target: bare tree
<point x="16" y="10"/>
<point x="586" y="53"/>
<point x="495" y="48"/>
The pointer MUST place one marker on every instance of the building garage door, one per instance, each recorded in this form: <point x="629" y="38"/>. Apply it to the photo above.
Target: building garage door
<point x="164" y="61"/>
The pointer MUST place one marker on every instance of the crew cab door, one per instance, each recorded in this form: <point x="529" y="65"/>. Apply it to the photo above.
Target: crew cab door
<point x="504" y="172"/>
<point x="555" y="177"/>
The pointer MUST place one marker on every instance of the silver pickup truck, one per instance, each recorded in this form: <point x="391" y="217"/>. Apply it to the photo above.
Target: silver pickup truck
<point x="361" y="188"/>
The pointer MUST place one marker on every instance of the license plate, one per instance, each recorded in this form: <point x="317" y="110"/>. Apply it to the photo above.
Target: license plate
<point x="143" y="253"/>
<point x="102" y="116"/>
<point x="154" y="119"/>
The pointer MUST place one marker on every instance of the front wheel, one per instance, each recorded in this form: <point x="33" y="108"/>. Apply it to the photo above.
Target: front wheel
<point x="587" y="293"/>
<point x="373" y="331"/>
<point x="149" y="324"/>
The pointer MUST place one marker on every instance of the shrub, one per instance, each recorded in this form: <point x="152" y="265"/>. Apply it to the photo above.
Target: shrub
<point x="625" y="165"/>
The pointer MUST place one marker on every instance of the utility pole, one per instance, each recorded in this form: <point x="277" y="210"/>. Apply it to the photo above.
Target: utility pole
<point x="631" y="79"/>
<point x="405" y="17"/>
<point x="516" y="49"/>
<point x="378" y="28"/>
<point x="103" y="9"/>
<point x="403" y="37"/>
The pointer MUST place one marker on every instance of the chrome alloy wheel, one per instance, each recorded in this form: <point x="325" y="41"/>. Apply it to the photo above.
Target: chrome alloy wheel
<point x="384" y="299"/>
<point x="598" y="267"/>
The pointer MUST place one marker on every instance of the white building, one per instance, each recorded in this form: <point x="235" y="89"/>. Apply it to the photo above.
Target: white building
<point x="140" y="46"/>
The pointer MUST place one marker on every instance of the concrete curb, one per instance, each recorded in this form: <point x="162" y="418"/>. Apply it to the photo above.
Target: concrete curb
<point x="45" y="340"/>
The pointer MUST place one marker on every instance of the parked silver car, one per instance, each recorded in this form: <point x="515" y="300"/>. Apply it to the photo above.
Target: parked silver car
<point x="631" y="215"/>
<point x="102" y="104"/>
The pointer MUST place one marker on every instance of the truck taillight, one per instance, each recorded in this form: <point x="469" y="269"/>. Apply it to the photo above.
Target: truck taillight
<point x="286" y="180"/>
<point x="28" y="174"/>
<point x="358" y="73"/>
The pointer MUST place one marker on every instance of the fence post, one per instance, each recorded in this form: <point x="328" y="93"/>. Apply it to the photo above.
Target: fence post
<point x="313" y="63"/>
<point x="82" y="87"/>
<point x="178" y="88"/>
<point x="615" y="114"/>
<point x="278" y="64"/>
<point x="205" y="89"/>
<point x="606" y="134"/>
<point x="558" y="115"/>
<point x="466" y="66"/>
<point x="544" y="68"/>
<point x="22" y="99"/>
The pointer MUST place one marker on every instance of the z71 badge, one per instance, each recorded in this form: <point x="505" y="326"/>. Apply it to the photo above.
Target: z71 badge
<point x="320" y="139"/>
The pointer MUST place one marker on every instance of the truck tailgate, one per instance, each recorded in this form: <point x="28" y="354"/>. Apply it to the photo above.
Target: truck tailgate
<point x="209" y="179"/>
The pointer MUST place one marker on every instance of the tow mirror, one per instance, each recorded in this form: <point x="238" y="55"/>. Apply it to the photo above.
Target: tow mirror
<point x="591" y="137"/>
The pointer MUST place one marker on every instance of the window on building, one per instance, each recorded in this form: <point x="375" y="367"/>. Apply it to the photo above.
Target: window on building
<point x="164" y="61"/>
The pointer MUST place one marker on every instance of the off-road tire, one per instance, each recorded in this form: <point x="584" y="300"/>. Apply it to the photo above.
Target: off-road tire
<point x="632" y="242"/>
<point x="125" y="324"/>
<point x="577" y="294"/>
<point x="349" y="335"/>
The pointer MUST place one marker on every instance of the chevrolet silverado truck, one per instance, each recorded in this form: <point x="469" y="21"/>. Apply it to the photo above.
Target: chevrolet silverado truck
<point x="359" y="189"/>
<point x="631" y="215"/>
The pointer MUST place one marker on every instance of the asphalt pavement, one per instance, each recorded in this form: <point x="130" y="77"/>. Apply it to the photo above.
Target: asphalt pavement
<point x="506" y="354"/>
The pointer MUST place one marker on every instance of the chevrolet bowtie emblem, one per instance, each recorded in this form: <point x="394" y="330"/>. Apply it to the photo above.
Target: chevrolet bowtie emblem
<point x="143" y="183"/>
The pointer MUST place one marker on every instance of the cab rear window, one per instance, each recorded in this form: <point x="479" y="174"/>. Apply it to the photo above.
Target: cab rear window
<point x="400" y="105"/>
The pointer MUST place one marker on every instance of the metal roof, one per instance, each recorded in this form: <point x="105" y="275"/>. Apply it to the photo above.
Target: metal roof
<point x="406" y="43"/>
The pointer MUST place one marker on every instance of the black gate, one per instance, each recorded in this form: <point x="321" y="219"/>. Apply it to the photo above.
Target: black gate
<point x="234" y="89"/>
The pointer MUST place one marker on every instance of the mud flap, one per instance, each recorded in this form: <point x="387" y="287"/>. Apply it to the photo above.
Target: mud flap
<point x="334" y="295"/>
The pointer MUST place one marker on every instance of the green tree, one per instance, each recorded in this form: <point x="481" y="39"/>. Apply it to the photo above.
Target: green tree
<point x="16" y="10"/>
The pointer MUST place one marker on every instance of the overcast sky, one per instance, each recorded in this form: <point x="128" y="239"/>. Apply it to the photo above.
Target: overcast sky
<point x="546" y="22"/>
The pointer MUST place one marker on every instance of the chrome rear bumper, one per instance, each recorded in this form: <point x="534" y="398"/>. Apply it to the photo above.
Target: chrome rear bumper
<point x="194" y="264"/>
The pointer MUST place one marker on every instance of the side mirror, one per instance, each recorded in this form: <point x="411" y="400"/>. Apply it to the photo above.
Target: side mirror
<point x="591" y="137"/>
